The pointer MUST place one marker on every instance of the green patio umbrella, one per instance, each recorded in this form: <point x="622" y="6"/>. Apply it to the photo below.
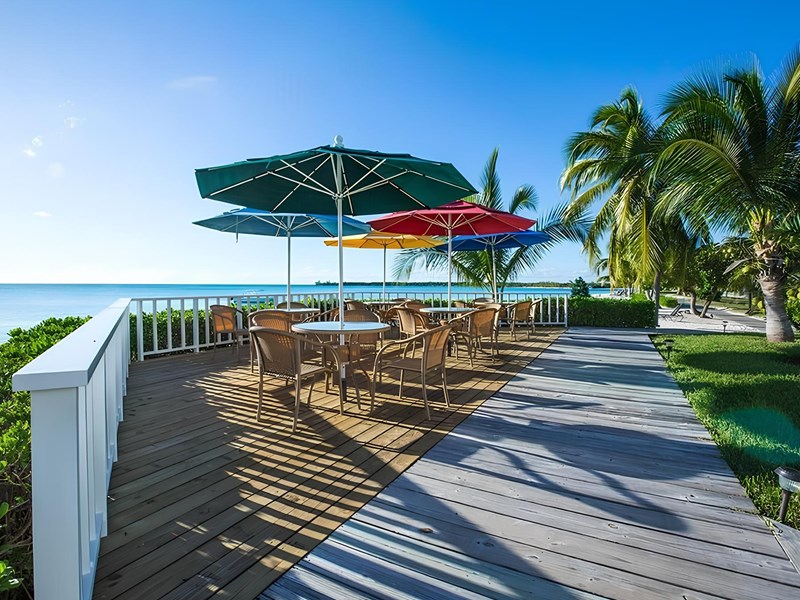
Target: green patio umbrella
<point x="335" y="180"/>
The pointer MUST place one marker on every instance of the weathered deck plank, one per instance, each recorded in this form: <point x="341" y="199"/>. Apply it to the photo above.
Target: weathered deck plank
<point x="587" y="474"/>
<point x="205" y="500"/>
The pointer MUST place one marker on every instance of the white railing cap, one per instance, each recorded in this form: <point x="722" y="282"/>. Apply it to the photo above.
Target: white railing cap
<point x="72" y="361"/>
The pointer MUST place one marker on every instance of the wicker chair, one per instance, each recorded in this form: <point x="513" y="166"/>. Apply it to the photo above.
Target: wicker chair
<point x="480" y="324"/>
<point x="271" y="319"/>
<point x="279" y="355"/>
<point x="414" y="304"/>
<point x="355" y="305"/>
<point x="434" y="349"/>
<point x="521" y="315"/>
<point x="291" y="305"/>
<point x="459" y="304"/>
<point x="223" y="318"/>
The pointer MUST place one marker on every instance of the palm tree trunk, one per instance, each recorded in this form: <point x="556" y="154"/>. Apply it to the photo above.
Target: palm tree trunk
<point x="779" y="327"/>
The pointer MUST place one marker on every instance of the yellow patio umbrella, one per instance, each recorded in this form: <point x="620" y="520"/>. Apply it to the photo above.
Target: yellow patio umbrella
<point x="386" y="241"/>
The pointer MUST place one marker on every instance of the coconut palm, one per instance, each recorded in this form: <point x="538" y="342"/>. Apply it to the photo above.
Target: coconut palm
<point x="734" y="157"/>
<point x="475" y="267"/>
<point x="613" y="162"/>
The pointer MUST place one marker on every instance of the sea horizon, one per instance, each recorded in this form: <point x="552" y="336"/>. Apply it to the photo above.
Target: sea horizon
<point x="26" y="304"/>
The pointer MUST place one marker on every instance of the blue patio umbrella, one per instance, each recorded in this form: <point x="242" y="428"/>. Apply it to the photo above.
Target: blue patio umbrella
<point x="499" y="241"/>
<point x="257" y="222"/>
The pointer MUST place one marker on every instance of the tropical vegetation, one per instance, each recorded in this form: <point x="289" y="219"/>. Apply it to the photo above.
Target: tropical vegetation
<point x="23" y="345"/>
<point x="745" y="391"/>
<point x="476" y="267"/>
<point x="612" y="163"/>
<point x="733" y="158"/>
<point x="724" y="157"/>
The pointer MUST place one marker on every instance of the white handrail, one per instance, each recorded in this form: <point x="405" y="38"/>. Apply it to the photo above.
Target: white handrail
<point x="77" y="389"/>
<point x="192" y="326"/>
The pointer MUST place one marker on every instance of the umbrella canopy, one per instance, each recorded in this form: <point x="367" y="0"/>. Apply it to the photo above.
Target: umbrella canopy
<point x="288" y="225"/>
<point x="498" y="241"/>
<point x="386" y="241"/>
<point x="455" y="218"/>
<point x="335" y="180"/>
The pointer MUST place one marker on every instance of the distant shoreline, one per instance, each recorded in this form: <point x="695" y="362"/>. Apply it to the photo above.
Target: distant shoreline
<point x="513" y="284"/>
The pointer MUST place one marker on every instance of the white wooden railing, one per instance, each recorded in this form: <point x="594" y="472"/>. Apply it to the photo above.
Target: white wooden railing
<point x="77" y="388"/>
<point x="194" y="318"/>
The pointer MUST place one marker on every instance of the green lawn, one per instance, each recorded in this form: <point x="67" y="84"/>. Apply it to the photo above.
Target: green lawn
<point x="747" y="393"/>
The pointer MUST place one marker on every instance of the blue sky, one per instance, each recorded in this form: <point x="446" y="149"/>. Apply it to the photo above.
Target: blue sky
<point x="108" y="108"/>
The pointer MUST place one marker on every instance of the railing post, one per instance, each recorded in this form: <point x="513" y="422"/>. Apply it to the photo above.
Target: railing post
<point x="139" y="332"/>
<point x="196" y="324"/>
<point x="566" y="311"/>
<point x="56" y="498"/>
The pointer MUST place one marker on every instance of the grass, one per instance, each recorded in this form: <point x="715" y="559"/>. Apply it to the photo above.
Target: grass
<point x="747" y="394"/>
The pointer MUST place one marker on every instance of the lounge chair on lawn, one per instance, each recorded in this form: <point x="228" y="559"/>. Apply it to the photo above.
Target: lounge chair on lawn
<point x="670" y="314"/>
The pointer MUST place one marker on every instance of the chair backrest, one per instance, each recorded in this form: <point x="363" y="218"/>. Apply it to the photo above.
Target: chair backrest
<point x="355" y="305"/>
<point x="522" y="310"/>
<point x="271" y="319"/>
<point x="400" y="299"/>
<point x="459" y="304"/>
<point x="361" y="315"/>
<point x="328" y="315"/>
<point x="414" y="304"/>
<point x="434" y="346"/>
<point x="278" y="351"/>
<point x="482" y="321"/>
<point x="408" y="320"/>
<point x="291" y="305"/>
<point x="223" y="318"/>
<point x="481" y="300"/>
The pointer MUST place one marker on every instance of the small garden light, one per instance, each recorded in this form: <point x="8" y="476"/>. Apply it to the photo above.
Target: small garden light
<point x="668" y="346"/>
<point x="789" y="480"/>
<point x="724" y="326"/>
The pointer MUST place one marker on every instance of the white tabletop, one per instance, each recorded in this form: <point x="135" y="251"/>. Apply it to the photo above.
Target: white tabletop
<point x="445" y="309"/>
<point x="336" y="327"/>
<point x="298" y="311"/>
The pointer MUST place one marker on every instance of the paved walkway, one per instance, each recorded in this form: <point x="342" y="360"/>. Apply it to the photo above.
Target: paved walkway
<point x="586" y="476"/>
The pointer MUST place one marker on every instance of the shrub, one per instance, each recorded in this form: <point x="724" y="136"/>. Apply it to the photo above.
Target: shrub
<point x="580" y="289"/>
<point x="23" y="345"/>
<point x="607" y="312"/>
<point x="668" y="301"/>
<point x="793" y="310"/>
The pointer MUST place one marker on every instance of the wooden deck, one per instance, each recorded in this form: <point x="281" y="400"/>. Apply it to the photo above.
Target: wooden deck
<point x="206" y="502"/>
<point x="586" y="476"/>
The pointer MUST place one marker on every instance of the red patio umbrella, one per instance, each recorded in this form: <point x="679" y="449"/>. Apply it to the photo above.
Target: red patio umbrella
<point x="456" y="218"/>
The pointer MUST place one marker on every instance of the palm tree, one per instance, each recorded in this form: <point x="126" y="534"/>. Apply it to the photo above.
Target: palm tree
<point x="613" y="161"/>
<point x="475" y="268"/>
<point x="733" y="157"/>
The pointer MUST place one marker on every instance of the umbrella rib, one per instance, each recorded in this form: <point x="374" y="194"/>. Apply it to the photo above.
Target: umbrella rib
<point x="368" y="173"/>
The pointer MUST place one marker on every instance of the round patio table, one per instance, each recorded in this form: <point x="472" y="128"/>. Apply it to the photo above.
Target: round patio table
<point x="347" y="328"/>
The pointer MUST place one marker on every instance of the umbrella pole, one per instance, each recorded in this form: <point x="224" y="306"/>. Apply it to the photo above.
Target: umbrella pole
<point x="338" y="176"/>
<point x="289" y="268"/>
<point x="494" y="276"/>
<point x="384" y="273"/>
<point x="449" y="266"/>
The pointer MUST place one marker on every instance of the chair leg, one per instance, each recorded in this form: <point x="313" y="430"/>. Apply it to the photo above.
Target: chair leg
<point x="260" y="395"/>
<point x="425" y="395"/>
<point x="444" y="387"/>
<point x="311" y="389"/>
<point x="402" y="374"/>
<point x="296" y="403"/>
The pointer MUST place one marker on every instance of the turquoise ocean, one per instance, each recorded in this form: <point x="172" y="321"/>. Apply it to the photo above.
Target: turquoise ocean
<point x="24" y="305"/>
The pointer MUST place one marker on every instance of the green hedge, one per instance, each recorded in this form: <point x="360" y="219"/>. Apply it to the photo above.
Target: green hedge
<point x="23" y="346"/>
<point x="607" y="312"/>
<point x="668" y="301"/>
